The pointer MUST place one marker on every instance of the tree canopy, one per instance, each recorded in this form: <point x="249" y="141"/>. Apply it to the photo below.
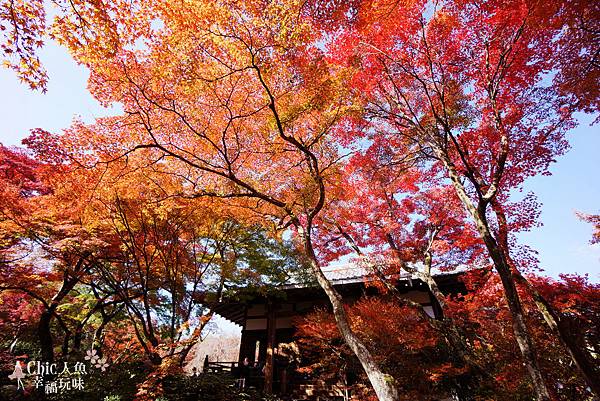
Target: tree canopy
<point x="262" y="139"/>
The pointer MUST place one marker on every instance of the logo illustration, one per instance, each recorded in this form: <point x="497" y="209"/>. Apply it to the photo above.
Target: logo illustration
<point x="18" y="374"/>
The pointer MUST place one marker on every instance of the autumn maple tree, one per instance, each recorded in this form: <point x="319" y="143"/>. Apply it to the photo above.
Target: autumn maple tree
<point x="356" y="127"/>
<point x="486" y="322"/>
<point x="246" y="116"/>
<point x="120" y="259"/>
<point x="23" y="28"/>
<point x="174" y="259"/>
<point x="464" y="85"/>
<point x="42" y="231"/>
<point x="413" y="351"/>
<point x="419" y="358"/>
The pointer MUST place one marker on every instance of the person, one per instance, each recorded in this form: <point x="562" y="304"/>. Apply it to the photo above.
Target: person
<point x="244" y="372"/>
<point x="205" y="364"/>
<point x="194" y="372"/>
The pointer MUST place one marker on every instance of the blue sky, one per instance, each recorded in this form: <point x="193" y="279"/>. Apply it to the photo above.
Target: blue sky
<point x="562" y="241"/>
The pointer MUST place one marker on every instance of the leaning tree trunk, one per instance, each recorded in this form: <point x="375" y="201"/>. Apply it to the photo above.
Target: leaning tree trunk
<point x="555" y="321"/>
<point x="445" y="326"/>
<point x="511" y="295"/>
<point x="562" y="331"/>
<point x="519" y="325"/>
<point x="381" y="382"/>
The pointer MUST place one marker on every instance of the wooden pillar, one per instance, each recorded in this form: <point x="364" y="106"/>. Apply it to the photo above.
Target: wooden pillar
<point x="269" y="360"/>
<point x="243" y="346"/>
<point x="244" y="339"/>
<point x="283" y="380"/>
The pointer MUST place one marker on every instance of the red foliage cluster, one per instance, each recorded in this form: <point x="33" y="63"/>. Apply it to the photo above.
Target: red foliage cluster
<point x="414" y="352"/>
<point x="401" y="338"/>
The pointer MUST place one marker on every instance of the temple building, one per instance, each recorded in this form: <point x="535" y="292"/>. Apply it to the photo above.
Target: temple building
<point x="267" y="321"/>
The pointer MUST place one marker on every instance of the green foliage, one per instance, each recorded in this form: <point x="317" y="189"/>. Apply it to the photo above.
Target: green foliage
<point x="262" y="260"/>
<point x="262" y="263"/>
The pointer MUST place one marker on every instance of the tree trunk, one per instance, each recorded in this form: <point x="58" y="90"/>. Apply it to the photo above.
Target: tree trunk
<point x="563" y="332"/>
<point x="15" y="341"/>
<point x="520" y="329"/>
<point x="511" y="295"/>
<point x="553" y="319"/>
<point x="44" y="331"/>
<point x="45" y="336"/>
<point x="77" y="338"/>
<point x="78" y="335"/>
<point x="65" y="346"/>
<point x="513" y="300"/>
<point x="193" y="340"/>
<point x="382" y="383"/>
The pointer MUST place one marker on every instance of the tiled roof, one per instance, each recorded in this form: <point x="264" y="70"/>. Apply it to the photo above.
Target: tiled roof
<point x="352" y="272"/>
